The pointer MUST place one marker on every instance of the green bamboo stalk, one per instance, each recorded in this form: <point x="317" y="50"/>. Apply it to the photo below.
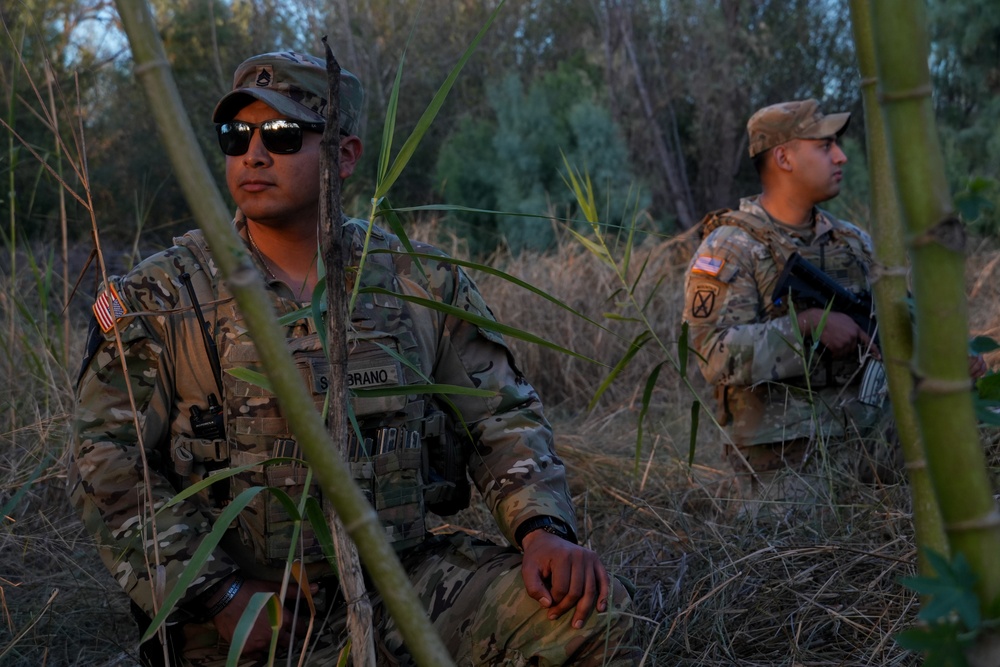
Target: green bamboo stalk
<point x="890" y="288"/>
<point x="936" y="238"/>
<point x="177" y="136"/>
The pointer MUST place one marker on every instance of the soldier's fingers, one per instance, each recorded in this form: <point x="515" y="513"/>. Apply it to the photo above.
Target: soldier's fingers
<point x="865" y="341"/>
<point x="585" y="604"/>
<point x="564" y="580"/>
<point x="575" y="577"/>
<point x="534" y="584"/>
<point x="604" y="585"/>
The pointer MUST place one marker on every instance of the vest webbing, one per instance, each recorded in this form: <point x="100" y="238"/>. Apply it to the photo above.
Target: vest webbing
<point x="779" y="245"/>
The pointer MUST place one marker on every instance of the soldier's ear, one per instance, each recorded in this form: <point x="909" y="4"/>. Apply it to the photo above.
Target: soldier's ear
<point x="781" y="156"/>
<point x="351" y="149"/>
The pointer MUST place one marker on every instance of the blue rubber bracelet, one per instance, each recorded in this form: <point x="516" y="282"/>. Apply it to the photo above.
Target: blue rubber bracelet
<point x="231" y="592"/>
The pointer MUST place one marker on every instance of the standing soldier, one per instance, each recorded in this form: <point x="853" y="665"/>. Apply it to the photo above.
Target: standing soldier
<point x="534" y="604"/>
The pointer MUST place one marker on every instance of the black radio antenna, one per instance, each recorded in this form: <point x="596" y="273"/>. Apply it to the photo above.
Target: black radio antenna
<point x="209" y="340"/>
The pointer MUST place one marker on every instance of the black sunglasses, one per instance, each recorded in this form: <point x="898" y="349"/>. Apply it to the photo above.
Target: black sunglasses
<point x="280" y="136"/>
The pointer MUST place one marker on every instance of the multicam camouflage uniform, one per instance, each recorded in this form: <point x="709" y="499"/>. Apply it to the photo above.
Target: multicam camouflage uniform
<point x="472" y="589"/>
<point x="775" y="414"/>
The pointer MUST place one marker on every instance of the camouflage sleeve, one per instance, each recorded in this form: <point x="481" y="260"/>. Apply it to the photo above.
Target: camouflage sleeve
<point x="513" y="464"/>
<point x="728" y="311"/>
<point x="111" y="486"/>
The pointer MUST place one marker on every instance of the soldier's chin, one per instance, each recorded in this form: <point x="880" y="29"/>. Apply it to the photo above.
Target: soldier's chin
<point x="831" y="194"/>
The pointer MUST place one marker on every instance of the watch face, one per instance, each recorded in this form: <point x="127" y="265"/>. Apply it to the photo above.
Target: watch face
<point x="555" y="529"/>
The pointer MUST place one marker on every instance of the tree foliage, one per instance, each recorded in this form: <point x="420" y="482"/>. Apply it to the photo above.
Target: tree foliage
<point x="633" y="88"/>
<point x="514" y="161"/>
<point x="966" y="71"/>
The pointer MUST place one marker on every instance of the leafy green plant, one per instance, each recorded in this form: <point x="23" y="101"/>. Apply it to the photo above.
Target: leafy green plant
<point x="987" y="395"/>
<point x="614" y="248"/>
<point x="977" y="203"/>
<point x="950" y="617"/>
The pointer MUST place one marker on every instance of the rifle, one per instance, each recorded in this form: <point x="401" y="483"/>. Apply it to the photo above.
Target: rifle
<point x="810" y="287"/>
<point x="805" y="284"/>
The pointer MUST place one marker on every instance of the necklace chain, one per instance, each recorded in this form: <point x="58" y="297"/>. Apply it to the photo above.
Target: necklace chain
<point x="260" y="255"/>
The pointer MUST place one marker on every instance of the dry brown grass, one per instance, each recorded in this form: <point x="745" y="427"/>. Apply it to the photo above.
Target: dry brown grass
<point x="58" y="605"/>
<point x="817" y="586"/>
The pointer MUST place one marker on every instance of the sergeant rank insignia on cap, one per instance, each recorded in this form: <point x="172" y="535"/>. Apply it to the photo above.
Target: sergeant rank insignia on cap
<point x="709" y="266"/>
<point x="109" y="308"/>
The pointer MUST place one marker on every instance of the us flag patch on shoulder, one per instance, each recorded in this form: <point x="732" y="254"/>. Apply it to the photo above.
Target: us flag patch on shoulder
<point x="707" y="265"/>
<point x="109" y="308"/>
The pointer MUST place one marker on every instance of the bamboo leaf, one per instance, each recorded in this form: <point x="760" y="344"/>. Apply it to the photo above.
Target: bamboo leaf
<point x="302" y="313"/>
<point x="583" y="192"/>
<point x="630" y="353"/>
<point x="201" y="555"/>
<point x="345" y="654"/>
<point x="647" y="395"/>
<point x="621" y="318"/>
<point x="253" y="377"/>
<point x="485" y="268"/>
<point x="317" y="308"/>
<point x="695" y="413"/>
<point x="483" y="322"/>
<point x="396" y="225"/>
<point x="630" y="240"/>
<point x="410" y="145"/>
<point x="389" y="128"/>
<point x="638" y="278"/>
<point x="286" y="501"/>
<point x="443" y="389"/>
<point x="257" y="602"/>
<point x="318" y="522"/>
<point x="652" y="293"/>
<point x="222" y="474"/>
<point x="456" y="208"/>
<point x="594" y="248"/>
<point x="682" y="350"/>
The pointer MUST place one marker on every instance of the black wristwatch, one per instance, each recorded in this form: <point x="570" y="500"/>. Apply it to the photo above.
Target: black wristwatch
<point x="547" y="523"/>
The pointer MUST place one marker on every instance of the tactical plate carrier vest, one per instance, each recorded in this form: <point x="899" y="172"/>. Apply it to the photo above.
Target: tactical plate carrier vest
<point x="404" y="455"/>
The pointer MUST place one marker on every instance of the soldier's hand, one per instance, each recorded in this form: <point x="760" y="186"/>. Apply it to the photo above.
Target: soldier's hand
<point x="563" y="576"/>
<point x="840" y="335"/>
<point x="259" y="639"/>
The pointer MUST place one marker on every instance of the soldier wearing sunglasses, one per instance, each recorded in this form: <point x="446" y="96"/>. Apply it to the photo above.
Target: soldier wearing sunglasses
<point x="544" y="600"/>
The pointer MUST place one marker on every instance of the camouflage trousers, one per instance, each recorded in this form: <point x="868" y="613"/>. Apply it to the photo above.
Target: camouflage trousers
<point x="806" y="471"/>
<point x="475" y="598"/>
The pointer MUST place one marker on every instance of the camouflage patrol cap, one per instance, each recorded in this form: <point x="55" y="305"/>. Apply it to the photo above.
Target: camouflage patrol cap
<point x="802" y="119"/>
<point x="293" y="84"/>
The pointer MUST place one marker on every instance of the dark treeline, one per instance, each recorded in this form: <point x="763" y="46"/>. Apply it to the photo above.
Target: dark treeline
<point x="649" y="97"/>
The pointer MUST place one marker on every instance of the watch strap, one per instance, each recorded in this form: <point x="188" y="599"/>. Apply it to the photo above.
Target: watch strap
<point x="549" y="524"/>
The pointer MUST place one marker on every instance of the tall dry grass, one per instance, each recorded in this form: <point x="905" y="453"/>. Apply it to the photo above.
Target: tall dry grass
<point x="815" y="586"/>
<point x="58" y="605"/>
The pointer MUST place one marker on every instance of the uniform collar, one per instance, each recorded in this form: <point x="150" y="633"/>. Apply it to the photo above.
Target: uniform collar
<point x="822" y="224"/>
